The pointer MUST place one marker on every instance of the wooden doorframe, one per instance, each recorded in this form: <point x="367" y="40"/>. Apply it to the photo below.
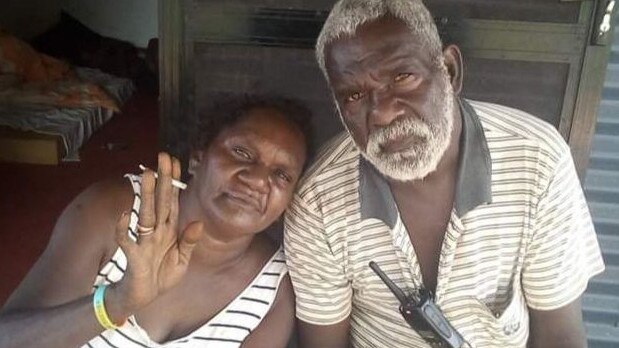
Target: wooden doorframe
<point x="582" y="93"/>
<point x="589" y="92"/>
<point x="176" y="85"/>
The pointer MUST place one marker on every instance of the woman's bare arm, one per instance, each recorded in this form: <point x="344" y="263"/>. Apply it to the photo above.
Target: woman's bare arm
<point x="52" y="306"/>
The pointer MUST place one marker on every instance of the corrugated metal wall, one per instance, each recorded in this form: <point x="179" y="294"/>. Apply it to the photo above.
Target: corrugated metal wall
<point x="601" y="301"/>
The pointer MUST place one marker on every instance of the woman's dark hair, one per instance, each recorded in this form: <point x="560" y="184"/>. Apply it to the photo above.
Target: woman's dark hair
<point x="228" y="110"/>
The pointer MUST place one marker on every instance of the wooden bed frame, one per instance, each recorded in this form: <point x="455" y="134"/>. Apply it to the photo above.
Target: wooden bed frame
<point x="30" y="147"/>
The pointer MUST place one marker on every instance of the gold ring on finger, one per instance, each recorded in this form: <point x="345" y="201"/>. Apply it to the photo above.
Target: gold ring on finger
<point x="145" y="231"/>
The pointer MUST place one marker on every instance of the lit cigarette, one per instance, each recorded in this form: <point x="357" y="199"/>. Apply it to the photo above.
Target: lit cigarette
<point x="175" y="183"/>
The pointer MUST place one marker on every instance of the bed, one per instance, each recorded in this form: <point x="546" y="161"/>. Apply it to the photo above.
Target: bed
<point x="48" y="109"/>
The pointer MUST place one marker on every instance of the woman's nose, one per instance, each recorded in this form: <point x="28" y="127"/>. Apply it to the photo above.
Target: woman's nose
<point x="256" y="177"/>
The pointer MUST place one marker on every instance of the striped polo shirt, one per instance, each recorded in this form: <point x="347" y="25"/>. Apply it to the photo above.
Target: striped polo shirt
<point x="227" y="329"/>
<point x="519" y="236"/>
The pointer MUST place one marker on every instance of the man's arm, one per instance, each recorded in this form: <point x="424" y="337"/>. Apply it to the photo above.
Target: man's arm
<point x="560" y="327"/>
<point x="327" y="336"/>
<point x="275" y="329"/>
<point x="322" y="289"/>
<point x="562" y="255"/>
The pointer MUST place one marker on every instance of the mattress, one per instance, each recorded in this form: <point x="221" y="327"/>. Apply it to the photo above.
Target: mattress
<point x="74" y="126"/>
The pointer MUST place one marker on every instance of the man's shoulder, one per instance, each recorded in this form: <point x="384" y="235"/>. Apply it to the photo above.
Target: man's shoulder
<point x="504" y="124"/>
<point x="337" y="157"/>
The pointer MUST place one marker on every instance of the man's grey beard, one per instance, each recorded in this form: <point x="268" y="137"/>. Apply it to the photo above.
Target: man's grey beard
<point x="431" y="139"/>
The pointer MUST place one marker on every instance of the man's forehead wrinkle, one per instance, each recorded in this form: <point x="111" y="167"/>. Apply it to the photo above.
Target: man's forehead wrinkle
<point x="348" y="58"/>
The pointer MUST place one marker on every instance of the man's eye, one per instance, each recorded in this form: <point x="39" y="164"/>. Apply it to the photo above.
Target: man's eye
<point x="241" y="152"/>
<point x="403" y="77"/>
<point x="354" y="97"/>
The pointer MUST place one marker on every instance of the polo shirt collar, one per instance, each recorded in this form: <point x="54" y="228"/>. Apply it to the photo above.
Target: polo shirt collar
<point x="473" y="186"/>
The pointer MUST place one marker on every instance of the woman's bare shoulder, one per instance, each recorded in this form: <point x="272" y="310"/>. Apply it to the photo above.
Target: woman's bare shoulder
<point x="92" y="215"/>
<point x="101" y="200"/>
<point x="105" y="194"/>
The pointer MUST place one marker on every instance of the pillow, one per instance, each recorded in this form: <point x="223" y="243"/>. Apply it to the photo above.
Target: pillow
<point x="19" y="58"/>
<point x="43" y="79"/>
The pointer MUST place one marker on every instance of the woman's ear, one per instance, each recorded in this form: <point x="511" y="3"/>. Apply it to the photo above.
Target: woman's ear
<point x="455" y="67"/>
<point x="194" y="162"/>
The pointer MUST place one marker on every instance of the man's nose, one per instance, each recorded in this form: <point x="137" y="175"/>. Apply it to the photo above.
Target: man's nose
<point x="384" y="108"/>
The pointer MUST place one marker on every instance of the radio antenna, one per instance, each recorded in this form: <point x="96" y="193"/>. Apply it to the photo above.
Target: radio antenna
<point x="399" y="294"/>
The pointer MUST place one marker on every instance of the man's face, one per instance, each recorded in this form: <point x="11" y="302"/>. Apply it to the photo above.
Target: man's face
<point x="395" y="99"/>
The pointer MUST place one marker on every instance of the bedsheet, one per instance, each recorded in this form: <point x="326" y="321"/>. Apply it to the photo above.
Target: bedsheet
<point x="73" y="125"/>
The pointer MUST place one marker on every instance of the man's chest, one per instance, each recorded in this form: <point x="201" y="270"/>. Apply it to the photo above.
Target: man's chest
<point x="425" y="226"/>
<point x="479" y="255"/>
<point x="478" y="272"/>
<point x="424" y="210"/>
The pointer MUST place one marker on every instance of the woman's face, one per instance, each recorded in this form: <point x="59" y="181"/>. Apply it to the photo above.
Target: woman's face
<point x="247" y="176"/>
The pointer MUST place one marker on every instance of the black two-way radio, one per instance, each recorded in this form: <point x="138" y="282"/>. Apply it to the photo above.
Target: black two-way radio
<point x="423" y="315"/>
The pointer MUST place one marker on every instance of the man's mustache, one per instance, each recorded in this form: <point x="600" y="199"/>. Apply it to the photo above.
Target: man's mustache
<point x="399" y="128"/>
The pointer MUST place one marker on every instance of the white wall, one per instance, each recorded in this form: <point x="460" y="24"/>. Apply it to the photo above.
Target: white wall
<point x="28" y="18"/>
<point x="129" y="20"/>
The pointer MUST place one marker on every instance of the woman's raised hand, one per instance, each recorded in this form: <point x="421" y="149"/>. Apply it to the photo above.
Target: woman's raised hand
<point x="161" y="255"/>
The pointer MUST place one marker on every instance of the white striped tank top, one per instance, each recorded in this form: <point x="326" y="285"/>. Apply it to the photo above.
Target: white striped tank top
<point x="229" y="328"/>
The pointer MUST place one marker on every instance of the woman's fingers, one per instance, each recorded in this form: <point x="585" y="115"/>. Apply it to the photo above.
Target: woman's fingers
<point x="163" y="191"/>
<point x="122" y="235"/>
<point x="147" y="218"/>
<point x="176" y="169"/>
<point x="176" y="175"/>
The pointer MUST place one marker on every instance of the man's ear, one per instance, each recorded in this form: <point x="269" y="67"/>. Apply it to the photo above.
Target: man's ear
<point x="194" y="162"/>
<point x="455" y="67"/>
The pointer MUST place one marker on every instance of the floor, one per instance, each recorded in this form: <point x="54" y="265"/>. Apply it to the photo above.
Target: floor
<point x="33" y="196"/>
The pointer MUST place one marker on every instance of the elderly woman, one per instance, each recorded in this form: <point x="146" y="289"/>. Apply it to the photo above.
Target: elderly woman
<point x="153" y="265"/>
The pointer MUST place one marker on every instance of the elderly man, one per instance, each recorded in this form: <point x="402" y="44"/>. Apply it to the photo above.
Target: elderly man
<point x="477" y="203"/>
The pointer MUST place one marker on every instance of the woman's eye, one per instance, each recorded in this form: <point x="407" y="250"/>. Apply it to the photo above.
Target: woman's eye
<point x="283" y="176"/>
<point x="403" y="77"/>
<point x="353" y="97"/>
<point x="239" y="151"/>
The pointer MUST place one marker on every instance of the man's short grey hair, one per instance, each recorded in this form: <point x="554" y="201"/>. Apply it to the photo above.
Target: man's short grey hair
<point x="347" y="15"/>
